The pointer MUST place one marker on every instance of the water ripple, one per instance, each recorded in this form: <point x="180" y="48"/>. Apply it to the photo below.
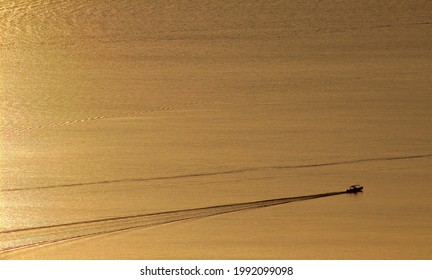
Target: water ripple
<point x="215" y="173"/>
<point x="22" y="238"/>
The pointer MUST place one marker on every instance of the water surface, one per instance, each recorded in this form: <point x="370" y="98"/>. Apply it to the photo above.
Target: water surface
<point x="113" y="109"/>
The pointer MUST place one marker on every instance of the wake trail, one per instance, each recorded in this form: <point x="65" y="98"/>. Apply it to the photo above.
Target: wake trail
<point x="21" y="238"/>
<point x="234" y="171"/>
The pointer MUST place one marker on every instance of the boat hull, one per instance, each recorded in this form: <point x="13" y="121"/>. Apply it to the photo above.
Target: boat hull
<point x="355" y="189"/>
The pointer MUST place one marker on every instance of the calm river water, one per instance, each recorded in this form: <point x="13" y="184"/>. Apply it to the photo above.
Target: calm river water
<point x="189" y="110"/>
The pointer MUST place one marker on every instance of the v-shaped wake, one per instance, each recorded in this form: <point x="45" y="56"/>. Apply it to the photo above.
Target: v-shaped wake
<point x="16" y="239"/>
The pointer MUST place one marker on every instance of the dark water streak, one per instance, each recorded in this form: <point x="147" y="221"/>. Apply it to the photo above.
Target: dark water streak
<point x="241" y="170"/>
<point x="22" y="238"/>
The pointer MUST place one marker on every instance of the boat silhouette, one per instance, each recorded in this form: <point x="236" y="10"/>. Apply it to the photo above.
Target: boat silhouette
<point x="355" y="189"/>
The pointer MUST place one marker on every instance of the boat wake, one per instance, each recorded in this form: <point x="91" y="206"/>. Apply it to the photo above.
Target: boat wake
<point x="16" y="239"/>
<point x="233" y="171"/>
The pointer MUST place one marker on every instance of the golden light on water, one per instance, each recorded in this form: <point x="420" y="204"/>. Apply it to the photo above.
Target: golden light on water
<point x="112" y="111"/>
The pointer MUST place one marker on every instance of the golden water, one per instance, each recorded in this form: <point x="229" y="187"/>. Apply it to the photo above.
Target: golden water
<point x="114" y="109"/>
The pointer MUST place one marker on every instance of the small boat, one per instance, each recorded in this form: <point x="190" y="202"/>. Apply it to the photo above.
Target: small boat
<point x="355" y="189"/>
